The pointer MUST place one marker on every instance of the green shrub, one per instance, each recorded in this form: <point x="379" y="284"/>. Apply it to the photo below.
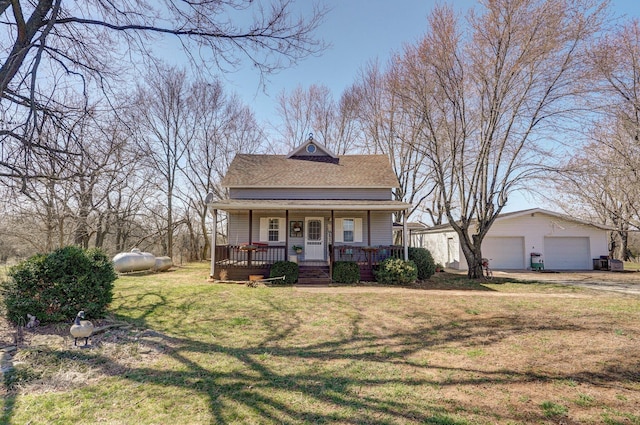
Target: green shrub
<point x="56" y="286"/>
<point x="346" y="272"/>
<point x="288" y="269"/>
<point x="394" y="271"/>
<point x="424" y="262"/>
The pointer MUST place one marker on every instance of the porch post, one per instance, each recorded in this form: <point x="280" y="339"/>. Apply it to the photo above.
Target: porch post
<point x="286" y="235"/>
<point x="249" y="241"/>
<point x="404" y="235"/>
<point x="369" y="227"/>
<point x="214" y="213"/>
<point x="333" y="243"/>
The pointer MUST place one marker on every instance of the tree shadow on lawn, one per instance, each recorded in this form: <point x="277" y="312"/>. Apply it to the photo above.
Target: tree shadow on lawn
<point x="458" y="282"/>
<point x="314" y="389"/>
<point x="9" y="401"/>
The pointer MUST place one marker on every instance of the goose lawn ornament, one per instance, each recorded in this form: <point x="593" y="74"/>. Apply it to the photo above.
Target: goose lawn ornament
<point x="81" y="329"/>
<point x="33" y="321"/>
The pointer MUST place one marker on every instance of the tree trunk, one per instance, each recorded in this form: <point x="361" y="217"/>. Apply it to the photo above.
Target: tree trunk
<point x="621" y="251"/>
<point x="473" y="255"/>
<point x="206" y="246"/>
<point x="169" y="239"/>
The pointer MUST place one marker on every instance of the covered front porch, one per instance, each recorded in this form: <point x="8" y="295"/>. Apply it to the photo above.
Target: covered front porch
<point x="238" y="262"/>
<point x="314" y="234"/>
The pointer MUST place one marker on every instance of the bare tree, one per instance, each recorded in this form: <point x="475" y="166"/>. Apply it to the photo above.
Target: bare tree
<point x="387" y="128"/>
<point x="296" y="112"/>
<point x="616" y="60"/>
<point x="348" y="135"/>
<point x="600" y="183"/>
<point x="488" y="95"/>
<point x="225" y="127"/>
<point x="88" y="46"/>
<point x="46" y="200"/>
<point x="314" y="111"/>
<point x="110" y="168"/>
<point x="306" y="111"/>
<point x="165" y="113"/>
<point x="79" y="201"/>
<point x="602" y="177"/>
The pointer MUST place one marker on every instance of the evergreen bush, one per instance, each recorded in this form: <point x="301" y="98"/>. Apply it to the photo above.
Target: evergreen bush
<point x="424" y="262"/>
<point x="288" y="269"/>
<point x="54" y="287"/>
<point x="346" y="272"/>
<point x="394" y="271"/>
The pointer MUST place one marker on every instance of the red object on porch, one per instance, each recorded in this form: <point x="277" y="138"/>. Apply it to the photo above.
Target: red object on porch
<point x="257" y="246"/>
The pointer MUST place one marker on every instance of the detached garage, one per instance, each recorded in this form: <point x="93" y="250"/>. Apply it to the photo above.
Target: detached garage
<point x="567" y="253"/>
<point x="565" y="243"/>
<point x="506" y="252"/>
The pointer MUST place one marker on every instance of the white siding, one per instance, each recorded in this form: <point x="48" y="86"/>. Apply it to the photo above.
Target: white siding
<point x="504" y="252"/>
<point x="238" y="228"/>
<point x="536" y="227"/>
<point x="533" y="229"/>
<point x="381" y="226"/>
<point x="567" y="253"/>
<point x="381" y="229"/>
<point x="444" y="247"/>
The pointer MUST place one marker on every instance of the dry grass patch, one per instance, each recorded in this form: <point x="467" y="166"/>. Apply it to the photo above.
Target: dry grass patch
<point x="459" y="352"/>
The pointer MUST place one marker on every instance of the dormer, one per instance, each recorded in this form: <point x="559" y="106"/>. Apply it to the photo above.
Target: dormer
<point x="311" y="150"/>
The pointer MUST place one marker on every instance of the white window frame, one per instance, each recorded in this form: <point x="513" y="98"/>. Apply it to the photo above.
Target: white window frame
<point x="348" y="229"/>
<point x="357" y="230"/>
<point x="264" y="229"/>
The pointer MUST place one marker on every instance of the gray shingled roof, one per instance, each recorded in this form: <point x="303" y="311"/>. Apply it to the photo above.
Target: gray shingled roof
<point x="364" y="171"/>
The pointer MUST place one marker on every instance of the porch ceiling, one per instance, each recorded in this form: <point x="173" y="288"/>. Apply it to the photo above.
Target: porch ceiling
<point x="307" y="204"/>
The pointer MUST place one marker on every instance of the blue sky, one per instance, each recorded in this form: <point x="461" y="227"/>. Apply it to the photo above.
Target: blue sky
<point x="360" y="31"/>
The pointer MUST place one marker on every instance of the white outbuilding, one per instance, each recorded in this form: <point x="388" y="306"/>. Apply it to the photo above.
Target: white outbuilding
<point x="524" y="240"/>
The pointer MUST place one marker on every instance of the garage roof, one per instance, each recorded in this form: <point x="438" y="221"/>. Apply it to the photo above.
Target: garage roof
<point x="447" y="227"/>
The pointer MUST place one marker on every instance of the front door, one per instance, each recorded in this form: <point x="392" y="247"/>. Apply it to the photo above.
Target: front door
<point x="314" y="239"/>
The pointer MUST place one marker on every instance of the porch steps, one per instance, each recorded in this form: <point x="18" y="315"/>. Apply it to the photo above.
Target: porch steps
<point x="366" y="274"/>
<point x="313" y="275"/>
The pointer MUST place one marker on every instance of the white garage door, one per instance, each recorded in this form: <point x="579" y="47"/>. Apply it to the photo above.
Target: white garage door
<point x="504" y="253"/>
<point x="567" y="253"/>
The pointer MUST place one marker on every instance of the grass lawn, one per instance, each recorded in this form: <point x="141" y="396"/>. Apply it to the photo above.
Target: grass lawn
<point x="449" y="352"/>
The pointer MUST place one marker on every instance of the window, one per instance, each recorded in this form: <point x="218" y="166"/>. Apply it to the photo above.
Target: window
<point x="314" y="230"/>
<point x="274" y="230"/>
<point x="311" y="148"/>
<point x="348" y="229"/>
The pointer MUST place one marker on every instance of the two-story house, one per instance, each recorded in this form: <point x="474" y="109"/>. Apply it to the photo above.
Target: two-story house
<point x="309" y="206"/>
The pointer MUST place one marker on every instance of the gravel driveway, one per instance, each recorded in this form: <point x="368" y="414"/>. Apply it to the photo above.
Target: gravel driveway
<point x="623" y="282"/>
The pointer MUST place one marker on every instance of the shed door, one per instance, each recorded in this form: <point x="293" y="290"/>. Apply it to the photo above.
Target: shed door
<point x="452" y="251"/>
<point x="314" y="239"/>
<point x="506" y="253"/>
<point x="567" y="253"/>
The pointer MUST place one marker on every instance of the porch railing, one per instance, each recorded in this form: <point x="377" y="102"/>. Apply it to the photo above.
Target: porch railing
<point x="262" y="255"/>
<point x="366" y="255"/>
<point x="255" y="255"/>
